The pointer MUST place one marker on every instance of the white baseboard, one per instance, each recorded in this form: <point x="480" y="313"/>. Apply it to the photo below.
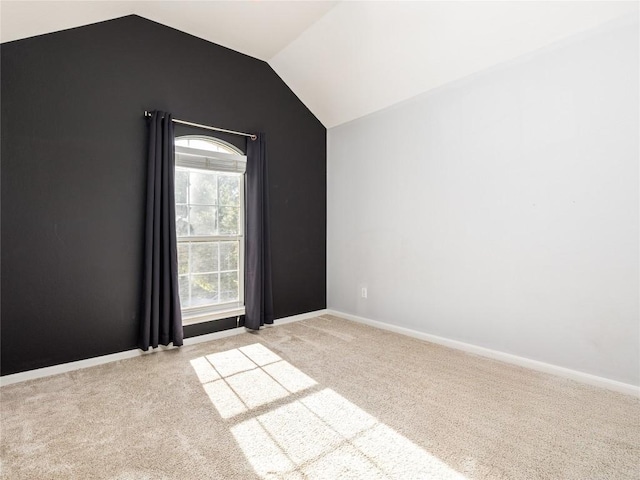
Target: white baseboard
<point x="587" y="378"/>
<point x="114" y="357"/>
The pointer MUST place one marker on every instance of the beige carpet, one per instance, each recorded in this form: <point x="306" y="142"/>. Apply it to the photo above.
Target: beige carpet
<point x="322" y="398"/>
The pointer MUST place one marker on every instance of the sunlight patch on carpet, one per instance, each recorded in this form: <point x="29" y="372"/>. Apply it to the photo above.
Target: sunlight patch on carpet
<point x="317" y="435"/>
<point x="245" y="378"/>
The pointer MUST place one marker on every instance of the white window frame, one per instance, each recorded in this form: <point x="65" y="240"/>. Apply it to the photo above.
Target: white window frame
<point x="206" y="160"/>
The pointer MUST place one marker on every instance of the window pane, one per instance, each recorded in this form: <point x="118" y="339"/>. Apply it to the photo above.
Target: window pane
<point x="229" y="189"/>
<point x="229" y="220"/>
<point x="203" y="220"/>
<point x="182" y="220"/>
<point x="203" y="144"/>
<point x="182" y="182"/>
<point x="202" y="188"/>
<point x="211" y="144"/>
<point x="183" y="281"/>
<point x="208" y="203"/>
<point x="228" y="256"/>
<point x="228" y="286"/>
<point x="183" y="258"/>
<point x="204" y="257"/>
<point x="204" y="289"/>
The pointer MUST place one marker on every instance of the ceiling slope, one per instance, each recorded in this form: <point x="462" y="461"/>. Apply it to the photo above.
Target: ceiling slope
<point x="346" y="59"/>
<point x="256" y="28"/>
<point x="361" y="57"/>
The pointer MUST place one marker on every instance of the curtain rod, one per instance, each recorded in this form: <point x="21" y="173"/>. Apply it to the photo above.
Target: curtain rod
<point x="207" y="127"/>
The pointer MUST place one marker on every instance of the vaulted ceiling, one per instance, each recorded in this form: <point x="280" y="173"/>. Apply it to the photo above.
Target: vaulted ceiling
<point x="346" y="59"/>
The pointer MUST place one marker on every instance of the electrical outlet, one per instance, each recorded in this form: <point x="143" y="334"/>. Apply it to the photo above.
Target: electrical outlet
<point x="363" y="293"/>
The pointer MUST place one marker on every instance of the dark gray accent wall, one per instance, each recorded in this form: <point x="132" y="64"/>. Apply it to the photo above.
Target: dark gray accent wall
<point x="73" y="165"/>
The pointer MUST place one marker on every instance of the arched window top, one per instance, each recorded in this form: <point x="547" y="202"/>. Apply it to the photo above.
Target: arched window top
<point x="207" y="143"/>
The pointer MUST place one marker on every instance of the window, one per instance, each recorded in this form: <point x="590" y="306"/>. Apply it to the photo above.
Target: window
<point x="209" y="194"/>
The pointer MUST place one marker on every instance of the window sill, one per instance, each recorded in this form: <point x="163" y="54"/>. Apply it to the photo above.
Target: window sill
<point x="209" y="316"/>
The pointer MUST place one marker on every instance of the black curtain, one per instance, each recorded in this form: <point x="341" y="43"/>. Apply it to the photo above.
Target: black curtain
<point x="258" y="289"/>
<point x="161" y="321"/>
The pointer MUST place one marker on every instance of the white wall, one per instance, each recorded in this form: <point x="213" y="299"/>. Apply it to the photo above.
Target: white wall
<point x="502" y="210"/>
